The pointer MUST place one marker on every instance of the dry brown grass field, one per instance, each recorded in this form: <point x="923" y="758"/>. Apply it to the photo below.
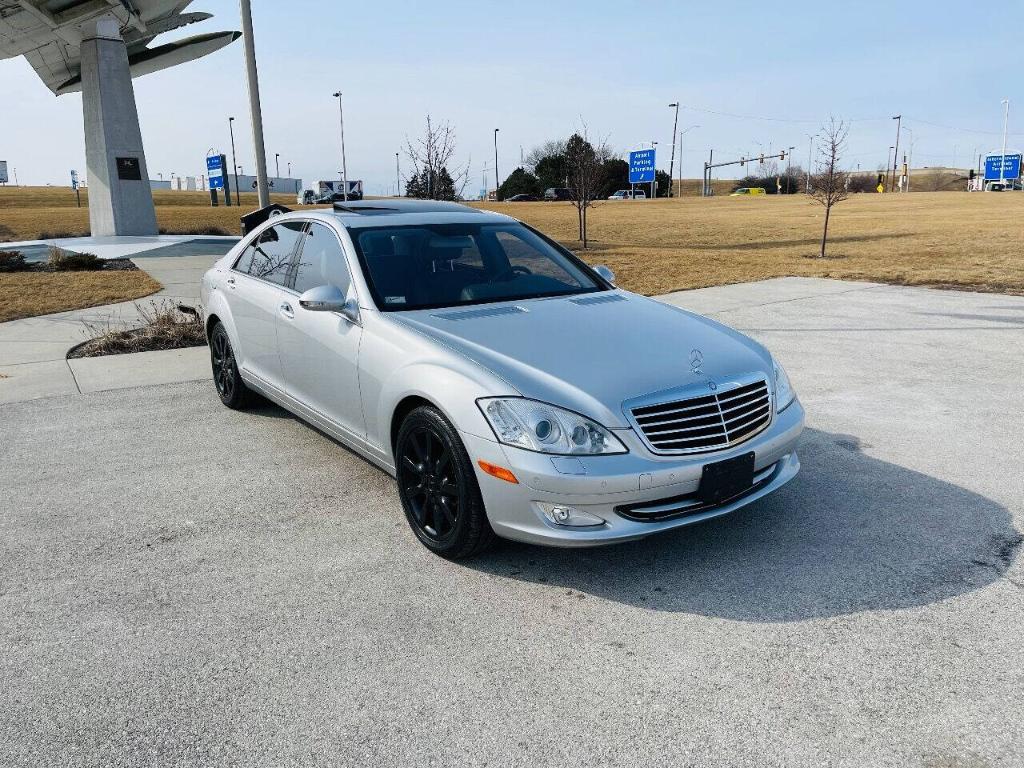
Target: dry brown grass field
<point x="944" y="239"/>
<point x="27" y="294"/>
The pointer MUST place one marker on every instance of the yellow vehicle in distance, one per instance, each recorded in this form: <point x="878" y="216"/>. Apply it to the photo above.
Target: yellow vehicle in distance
<point x="748" y="191"/>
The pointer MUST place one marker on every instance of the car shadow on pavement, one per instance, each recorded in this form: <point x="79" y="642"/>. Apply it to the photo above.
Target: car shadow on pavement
<point x="850" y="533"/>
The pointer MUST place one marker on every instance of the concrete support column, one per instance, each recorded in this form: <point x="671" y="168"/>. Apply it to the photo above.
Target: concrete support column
<point x="120" y="199"/>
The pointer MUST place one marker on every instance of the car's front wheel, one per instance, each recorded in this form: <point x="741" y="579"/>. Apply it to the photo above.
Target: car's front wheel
<point x="438" y="487"/>
<point x="230" y="387"/>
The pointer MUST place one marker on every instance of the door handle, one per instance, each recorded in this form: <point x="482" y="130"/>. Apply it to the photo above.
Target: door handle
<point x="286" y="310"/>
<point x="231" y="282"/>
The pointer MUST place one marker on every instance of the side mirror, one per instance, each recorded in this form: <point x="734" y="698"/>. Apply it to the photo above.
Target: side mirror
<point x="606" y="273"/>
<point x="329" y="298"/>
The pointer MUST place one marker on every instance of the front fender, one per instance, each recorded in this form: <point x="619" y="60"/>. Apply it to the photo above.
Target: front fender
<point x="452" y="391"/>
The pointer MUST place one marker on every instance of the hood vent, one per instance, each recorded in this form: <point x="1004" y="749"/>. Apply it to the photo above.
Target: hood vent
<point x="471" y="314"/>
<point x="600" y="299"/>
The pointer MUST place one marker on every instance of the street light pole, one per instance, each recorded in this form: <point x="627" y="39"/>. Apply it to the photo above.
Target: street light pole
<point x="672" y="161"/>
<point x="277" y="164"/>
<point x="810" y="153"/>
<point x="895" y="157"/>
<point x="888" y="169"/>
<point x="1002" y="160"/>
<point x="497" y="178"/>
<point x="255" y="113"/>
<point x="398" y="178"/>
<point x="344" y="167"/>
<point x="789" y="171"/>
<point x="234" y="159"/>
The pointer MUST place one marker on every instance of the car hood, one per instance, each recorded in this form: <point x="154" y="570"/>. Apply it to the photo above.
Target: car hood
<point x="590" y="353"/>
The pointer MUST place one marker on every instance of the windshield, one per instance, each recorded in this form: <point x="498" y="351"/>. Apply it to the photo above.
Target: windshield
<point x="447" y="265"/>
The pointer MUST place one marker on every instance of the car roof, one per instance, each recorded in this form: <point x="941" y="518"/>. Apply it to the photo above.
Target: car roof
<point x="399" y="212"/>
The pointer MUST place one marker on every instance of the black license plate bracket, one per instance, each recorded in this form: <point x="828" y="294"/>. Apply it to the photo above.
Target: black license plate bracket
<point x="722" y="480"/>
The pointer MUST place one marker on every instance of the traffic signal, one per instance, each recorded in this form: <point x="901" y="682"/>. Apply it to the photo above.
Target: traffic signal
<point x="970" y="174"/>
<point x="761" y="161"/>
<point x="782" y="156"/>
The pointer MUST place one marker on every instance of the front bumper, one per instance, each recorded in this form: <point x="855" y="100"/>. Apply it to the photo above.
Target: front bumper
<point x="600" y="484"/>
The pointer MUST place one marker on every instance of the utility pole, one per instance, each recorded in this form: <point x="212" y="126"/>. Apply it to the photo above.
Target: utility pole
<point x="497" y="179"/>
<point x="1006" y="121"/>
<point x="810" y="153"/>
<point x="344" y="167"/>
<point x="910" y="161"/>
<point x="255" y="113"/>
<point x="681" y="135"/>
<point x="398" y="178"/>
<point x="672" y="161"/>
<point x="707" y="173"/>
<point x="895" y="157"/>
<point x="888" y="168"/>
<point x="234" y="163"/>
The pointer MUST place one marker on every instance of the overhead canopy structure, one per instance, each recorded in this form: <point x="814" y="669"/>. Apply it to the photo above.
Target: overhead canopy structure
<point x="49" y="34"/>
<point x="97" y="46"/>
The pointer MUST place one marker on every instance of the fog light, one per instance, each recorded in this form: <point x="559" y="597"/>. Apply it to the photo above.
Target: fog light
<point x="562" y="514"/>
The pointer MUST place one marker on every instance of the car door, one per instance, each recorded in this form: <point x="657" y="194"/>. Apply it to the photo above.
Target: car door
<point x="257" y="296"/>
<point x="320" y="350"/>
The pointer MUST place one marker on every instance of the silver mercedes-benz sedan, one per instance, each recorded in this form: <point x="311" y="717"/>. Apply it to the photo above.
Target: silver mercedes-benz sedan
<point x="510" y="389"/>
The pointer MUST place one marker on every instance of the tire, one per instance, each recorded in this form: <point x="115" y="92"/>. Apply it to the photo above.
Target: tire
<point x="438" y="487"/>
<point x="228" y="383"/>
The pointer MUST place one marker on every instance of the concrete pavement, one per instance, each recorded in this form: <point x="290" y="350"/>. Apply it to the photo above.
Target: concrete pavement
<point x="181" y="584"/>
<point x="33" y="350"/>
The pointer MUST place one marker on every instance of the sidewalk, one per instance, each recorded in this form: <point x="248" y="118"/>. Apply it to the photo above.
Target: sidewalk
<point x="33" y="351"/>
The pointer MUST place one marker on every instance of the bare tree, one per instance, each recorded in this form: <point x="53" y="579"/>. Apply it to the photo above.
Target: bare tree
<point x="585" y="162"/>
<point x="430" y="156"/>
<point x="829" y="185"/>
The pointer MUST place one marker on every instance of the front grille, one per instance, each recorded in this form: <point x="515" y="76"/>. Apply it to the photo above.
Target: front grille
<point x="707" y="422"/>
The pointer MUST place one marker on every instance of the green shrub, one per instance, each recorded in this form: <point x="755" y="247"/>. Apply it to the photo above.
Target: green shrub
<point x="12" y="261"/>
<point x="67" y="261"/>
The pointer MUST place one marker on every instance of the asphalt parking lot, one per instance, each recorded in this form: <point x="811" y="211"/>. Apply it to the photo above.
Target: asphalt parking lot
<point x="181" y="584"/>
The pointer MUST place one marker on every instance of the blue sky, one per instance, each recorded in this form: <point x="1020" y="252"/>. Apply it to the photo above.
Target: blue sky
<point x="539" y="70"/>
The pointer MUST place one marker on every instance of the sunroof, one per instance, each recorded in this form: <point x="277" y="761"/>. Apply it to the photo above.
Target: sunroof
<point x="376" y="208"/>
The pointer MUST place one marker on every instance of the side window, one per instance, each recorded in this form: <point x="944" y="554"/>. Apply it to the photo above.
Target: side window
<point x="272" y="252"/>
<point x="322" y="261"/>
<point x="243" y="261"/>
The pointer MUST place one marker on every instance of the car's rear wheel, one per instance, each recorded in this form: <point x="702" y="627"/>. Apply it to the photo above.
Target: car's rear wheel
<point x="230" y="387"/>
<point x="438" y="487"/>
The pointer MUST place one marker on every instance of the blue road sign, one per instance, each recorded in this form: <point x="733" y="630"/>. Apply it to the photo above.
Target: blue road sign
<point x="215" y="171"/>
<point x="641" y="166"/>
<point x="1010" y="163"/>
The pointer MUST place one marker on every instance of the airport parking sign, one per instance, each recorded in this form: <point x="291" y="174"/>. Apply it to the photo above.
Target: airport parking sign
<point x="1010" y="167"/>
<point x="641" y="166"/>
<point x="215" y="171"/>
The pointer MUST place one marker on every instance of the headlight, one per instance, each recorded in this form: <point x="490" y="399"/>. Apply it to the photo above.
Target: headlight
<point x="544" y="428"/>
<point x="784" y="394"/>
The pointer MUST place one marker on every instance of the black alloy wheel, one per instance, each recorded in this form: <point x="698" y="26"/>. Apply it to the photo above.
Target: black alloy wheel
<point x="230" y="387"/>
<point x="438" y="487"/>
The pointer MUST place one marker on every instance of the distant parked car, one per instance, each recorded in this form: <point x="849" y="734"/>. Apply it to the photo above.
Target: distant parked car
<point x="558" y="193"/>
<point x="748" y="191"/>
<point x="628" y="194"/>
<point x="306" y="197"/>
<point x="523" y="198"/>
